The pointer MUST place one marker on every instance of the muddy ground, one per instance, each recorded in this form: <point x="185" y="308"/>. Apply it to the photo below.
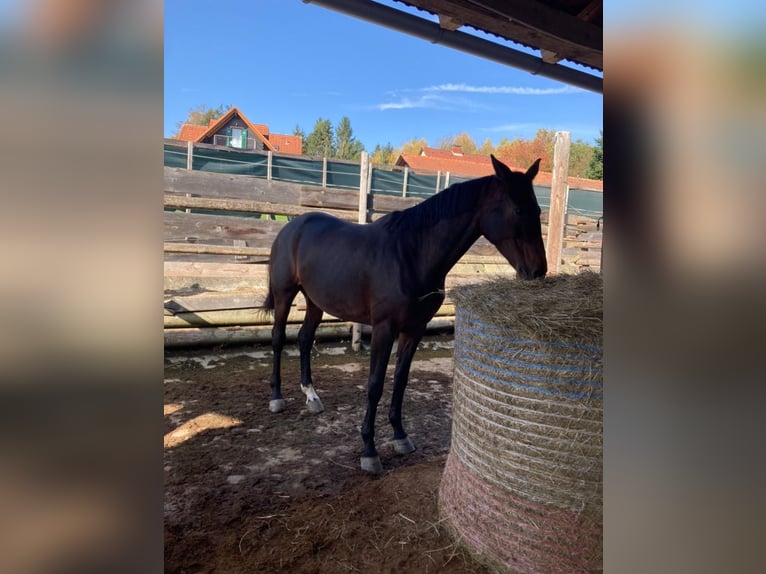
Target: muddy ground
<point x="251" y="491"/>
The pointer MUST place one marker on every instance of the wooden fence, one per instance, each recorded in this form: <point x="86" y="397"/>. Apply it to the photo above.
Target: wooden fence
<point x="218" y="231"/>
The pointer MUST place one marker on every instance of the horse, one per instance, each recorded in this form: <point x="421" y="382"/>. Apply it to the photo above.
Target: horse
<point x="390" y="274"/>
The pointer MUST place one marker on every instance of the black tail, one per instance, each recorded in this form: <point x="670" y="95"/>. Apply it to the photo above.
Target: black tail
<point x="268" y="303"/>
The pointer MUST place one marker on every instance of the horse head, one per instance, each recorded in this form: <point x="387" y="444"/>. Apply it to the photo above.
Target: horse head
<point x="510" y="219"/>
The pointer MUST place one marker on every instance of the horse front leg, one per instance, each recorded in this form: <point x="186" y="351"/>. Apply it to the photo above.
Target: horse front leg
<point x="408" y="344"/>
<point x="380" y="351"/>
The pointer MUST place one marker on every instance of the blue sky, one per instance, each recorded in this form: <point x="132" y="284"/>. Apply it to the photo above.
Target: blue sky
<point x="285" y="63"/>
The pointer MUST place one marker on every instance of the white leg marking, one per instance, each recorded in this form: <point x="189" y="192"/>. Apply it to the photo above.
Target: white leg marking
<point x="313" y="403"/>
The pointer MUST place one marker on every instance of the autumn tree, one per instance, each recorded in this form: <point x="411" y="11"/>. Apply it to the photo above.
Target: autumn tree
<point x="321" y="141"/>
<point x="384" y="155"/>
<point x="201" y="115"/>
<point x="486" y="148"/>
<point x="346" y="145"/>
<point x="463" y="140"/>
<point x="596" y="166"/>
<point x="414" y="145"/>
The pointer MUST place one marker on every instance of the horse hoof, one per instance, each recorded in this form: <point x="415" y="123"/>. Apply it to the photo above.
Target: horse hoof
<point x="372" y="464"/>
<point x="315" y="407"/>
<point x="277" y="405"/>
<point x="403" y="445"/>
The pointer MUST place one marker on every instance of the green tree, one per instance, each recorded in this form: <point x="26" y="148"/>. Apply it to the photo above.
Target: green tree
<point x="580" y="154"/>
<point x="596" y="166"/>
<point x="321" y="141"/>
<point x="346" y="145"/>
<point x="298" y="131"/>
<point x="201" y="115"/>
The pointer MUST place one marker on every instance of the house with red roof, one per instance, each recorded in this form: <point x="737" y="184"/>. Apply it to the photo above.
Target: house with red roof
<point x="456" y="162"/>
<point x="234" y="130"/>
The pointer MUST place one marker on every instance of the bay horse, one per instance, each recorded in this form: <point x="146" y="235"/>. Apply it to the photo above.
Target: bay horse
<point x="390" y="274"/>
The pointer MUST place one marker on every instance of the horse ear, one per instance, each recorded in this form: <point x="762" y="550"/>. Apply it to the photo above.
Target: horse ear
<point x="501" y="170"/>
<point x="533" y="169"/>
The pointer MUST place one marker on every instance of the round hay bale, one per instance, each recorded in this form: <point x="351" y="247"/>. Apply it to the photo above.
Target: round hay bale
<point x="522" y="487"/>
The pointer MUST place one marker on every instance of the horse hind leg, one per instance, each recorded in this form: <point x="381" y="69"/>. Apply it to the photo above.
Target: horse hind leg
<point x="282" y="303"/>
<point x="408" y="344"/>
<point x="305" y="342"/>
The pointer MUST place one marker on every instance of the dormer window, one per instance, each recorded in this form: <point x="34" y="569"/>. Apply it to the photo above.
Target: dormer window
<point x="238" y="138"/>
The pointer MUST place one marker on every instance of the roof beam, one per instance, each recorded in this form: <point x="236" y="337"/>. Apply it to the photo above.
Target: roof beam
<point x="528" y="22"/>
<point x="432" y="32"/>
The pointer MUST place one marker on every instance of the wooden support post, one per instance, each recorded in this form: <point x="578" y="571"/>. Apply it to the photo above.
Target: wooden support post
<point x="324" y="172"/>
<point x="189" y="163"/>
<point x="438" y="180"/>
<point x="364" y="190"/>
<point x="404" y="182"/>
<point x="269" y="158"/>
<point x="559" y="196"/>
<point x="446" y="180"/>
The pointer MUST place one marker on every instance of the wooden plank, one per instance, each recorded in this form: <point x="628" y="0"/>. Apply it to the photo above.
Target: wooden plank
<point x="330" y="198"/>
<point x="199" y="336"/>
<point x="390" y="203"/>
<point x="180" y="275"/>
<point x="213" y="301"/>
<point x="251" y="316"/>
<point x="218" y="185"/>
<point x="232" y="205"/>
<point x="179" y="226"/>
<point x="198" y="248"/>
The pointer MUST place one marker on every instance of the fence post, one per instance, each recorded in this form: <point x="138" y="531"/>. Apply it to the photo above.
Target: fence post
<point x="269" y="156"/>
<point x="364" y="190"/>
<point x="446" y="180"/>
<point x="189" y="164"/>
<point x="438" y="180"/>
<point x="559" y="197"/>
<point x="404" y="182"/>
<point x="324" y="172"/>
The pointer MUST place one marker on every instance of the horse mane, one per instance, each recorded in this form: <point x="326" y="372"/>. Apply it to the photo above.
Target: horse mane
<point x="458" y="198"/>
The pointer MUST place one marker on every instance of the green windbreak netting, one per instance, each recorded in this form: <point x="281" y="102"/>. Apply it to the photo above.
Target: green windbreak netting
<point x="297" y="170"/>
<point x="386" y="182"/>
<point x="233" y="162"/>
<point x="345" y="175"/>
<point x="341" y="174"/>
<point x="175" y="156"/>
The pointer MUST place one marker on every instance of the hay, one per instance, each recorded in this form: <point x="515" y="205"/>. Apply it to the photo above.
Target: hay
<point x="523" y="482"/>
<point x="565" y="308"/>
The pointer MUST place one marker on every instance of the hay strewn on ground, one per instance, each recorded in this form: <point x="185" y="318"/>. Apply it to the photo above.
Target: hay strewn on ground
<point x="559" y="308"/>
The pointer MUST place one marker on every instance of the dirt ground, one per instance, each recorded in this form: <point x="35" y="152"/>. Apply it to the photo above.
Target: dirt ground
<point x="251" y="491"/>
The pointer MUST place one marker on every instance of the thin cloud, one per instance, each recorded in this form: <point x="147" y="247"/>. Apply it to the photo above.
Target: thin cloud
<point x="433" y="102"/>
<point x="513" y="90"/>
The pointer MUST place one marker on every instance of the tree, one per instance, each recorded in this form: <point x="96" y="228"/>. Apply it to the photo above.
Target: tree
<point x="486" y="148"/>
<point x="298" y="131"/>
<point x="346" y="145"/>
<point x="596" y="166"/>
<point x="320" y="142"/>
<point x="384" y="155"/>
<point x="580" y="154"/>
<point x="201" y="115"/>
<point x="414" y="145"/>
<point x="520" y="154"/>
<point x="462" y="140"/>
